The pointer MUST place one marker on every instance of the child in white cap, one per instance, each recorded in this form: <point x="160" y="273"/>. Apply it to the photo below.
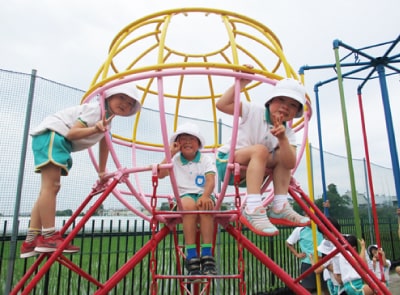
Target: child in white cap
<point x="53" y="140"/>
<point x="195" y="176"/>
<point x="265" y="141"/>
<point x="373" y="261"/>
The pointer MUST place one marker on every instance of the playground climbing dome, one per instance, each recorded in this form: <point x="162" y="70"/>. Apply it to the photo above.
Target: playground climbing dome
<point x="181" y="61"/>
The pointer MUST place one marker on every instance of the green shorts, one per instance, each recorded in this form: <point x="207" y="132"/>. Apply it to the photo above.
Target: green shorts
<point x="221" y="163"/>
<point x="51" y="147"/>
<point x="354" y="287"/>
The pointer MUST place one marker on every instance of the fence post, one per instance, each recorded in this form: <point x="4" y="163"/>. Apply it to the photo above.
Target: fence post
<point x="14" y="234"/>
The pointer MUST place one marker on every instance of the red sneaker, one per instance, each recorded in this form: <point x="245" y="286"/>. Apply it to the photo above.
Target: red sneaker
<point x="52" y="243"/>
<point x="28" y="249"/>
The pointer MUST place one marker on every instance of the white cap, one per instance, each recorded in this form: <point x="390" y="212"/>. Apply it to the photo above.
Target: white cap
<point x="128" y="89"/>
<point x="326" y="247"/>
<point x="291" y="88"/>
<point x="188" y="128"/>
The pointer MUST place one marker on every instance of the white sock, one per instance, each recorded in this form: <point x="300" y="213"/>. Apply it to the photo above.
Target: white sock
<point x="253" y="201"/>
<point x="278" y="202"/>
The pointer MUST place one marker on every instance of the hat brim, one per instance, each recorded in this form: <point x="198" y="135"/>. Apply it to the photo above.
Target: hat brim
<point x="130" y="91"/>
<point x="188" y="129"/>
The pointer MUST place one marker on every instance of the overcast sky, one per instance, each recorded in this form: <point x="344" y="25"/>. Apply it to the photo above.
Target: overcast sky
<point x="67" y="41"/>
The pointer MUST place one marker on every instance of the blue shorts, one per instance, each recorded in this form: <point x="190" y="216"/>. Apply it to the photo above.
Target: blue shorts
<point x="51" y="147"/>
<point x="221" y="163"/>
<point x="354" y="287"/>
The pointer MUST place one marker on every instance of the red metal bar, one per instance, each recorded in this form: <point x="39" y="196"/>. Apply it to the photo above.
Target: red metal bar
<point x="268" y="262"/>
<point x="54" y="256"/>
<point x="339" y="241"/>
<point x="131" y="263"/>
<point x="371" y="186"/>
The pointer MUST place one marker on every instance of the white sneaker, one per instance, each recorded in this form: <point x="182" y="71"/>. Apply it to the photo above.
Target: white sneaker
<point x="287" y="216"/>
<point x="258" y="222"/>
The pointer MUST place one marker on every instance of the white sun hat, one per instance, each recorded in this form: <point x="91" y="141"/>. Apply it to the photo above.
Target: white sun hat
<point x="291" y="88"/>
<point x="326" y="247"/>
<point x="128" y="89"/>
<point x="370" y="248"/>
<point x="188" y="128"/>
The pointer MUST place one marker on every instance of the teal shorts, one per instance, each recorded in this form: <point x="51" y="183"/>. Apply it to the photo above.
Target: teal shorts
<point x="221" y="163"/>
<point x="195" y="197"/>
<point x="332" y="288"/>
<point x="51" y="147"/>
<point x="354" y="287"/>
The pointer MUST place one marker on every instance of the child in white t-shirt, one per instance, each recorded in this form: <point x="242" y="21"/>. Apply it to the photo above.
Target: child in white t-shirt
<point x="347" y="276"/>
<point x="53" y="140"/>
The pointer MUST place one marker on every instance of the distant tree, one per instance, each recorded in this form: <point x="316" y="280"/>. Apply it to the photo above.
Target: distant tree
<point x="339" y="205"/>
<point x="382" y="212"/>
<point x="67" y="212"/>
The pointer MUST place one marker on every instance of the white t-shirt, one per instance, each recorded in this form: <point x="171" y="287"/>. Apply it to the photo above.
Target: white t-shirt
<point x="191" y="175"/>
<point x="377" y="270"/>
<point x="61" y="122"/>
<point x="327" y="247"/>
<point x="344" y="268"/>
<point x="254" y="129"/>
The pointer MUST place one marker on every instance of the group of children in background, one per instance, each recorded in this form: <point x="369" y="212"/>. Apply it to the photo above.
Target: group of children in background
<point x="266" y="145"/>
<point x="338" y="276"/>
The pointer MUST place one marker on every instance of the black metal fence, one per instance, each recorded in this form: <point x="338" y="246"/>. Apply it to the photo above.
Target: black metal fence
<point x="106" y="246"/>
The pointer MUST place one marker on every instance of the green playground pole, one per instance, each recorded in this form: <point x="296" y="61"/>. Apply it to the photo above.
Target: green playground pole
<point x="347" y="138"/>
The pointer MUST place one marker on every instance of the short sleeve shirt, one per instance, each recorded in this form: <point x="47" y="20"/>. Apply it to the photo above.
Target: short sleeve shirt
<point x="61" y="122"/>
<point x="377" y="269"/>
<point x="304" y="236"/>
<point x="191" y="175"/>
<point x="254" y="129"/>
<point x="344" y="268"/>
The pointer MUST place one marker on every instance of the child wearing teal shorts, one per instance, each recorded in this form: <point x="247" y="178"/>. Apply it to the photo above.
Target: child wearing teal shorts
<point x="53" y="140"/>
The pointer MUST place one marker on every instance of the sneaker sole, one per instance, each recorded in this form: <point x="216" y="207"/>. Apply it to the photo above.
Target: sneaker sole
<point x="28" y="254"/>
<point x="286" y="222"/>
<point x="244" y="221"/>
<point x="48" y="250"/>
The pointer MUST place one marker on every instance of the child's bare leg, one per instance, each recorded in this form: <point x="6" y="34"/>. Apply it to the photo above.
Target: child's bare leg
<point x="45" y="205"/>
<point x="255" y="158"/>
<point x="367" y="290"/>
<point x="208" y="264"/>
<point x="189" y="221"/>
<point x="207" y="228"/>
<point x="192" y="262"/>
<point x="282" y="213"/>
<point x="254" y="216"/>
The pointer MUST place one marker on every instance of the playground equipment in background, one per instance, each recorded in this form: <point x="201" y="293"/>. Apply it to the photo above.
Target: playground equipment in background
<point x="367" y="66"/>
<point x="145" y="52"/>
